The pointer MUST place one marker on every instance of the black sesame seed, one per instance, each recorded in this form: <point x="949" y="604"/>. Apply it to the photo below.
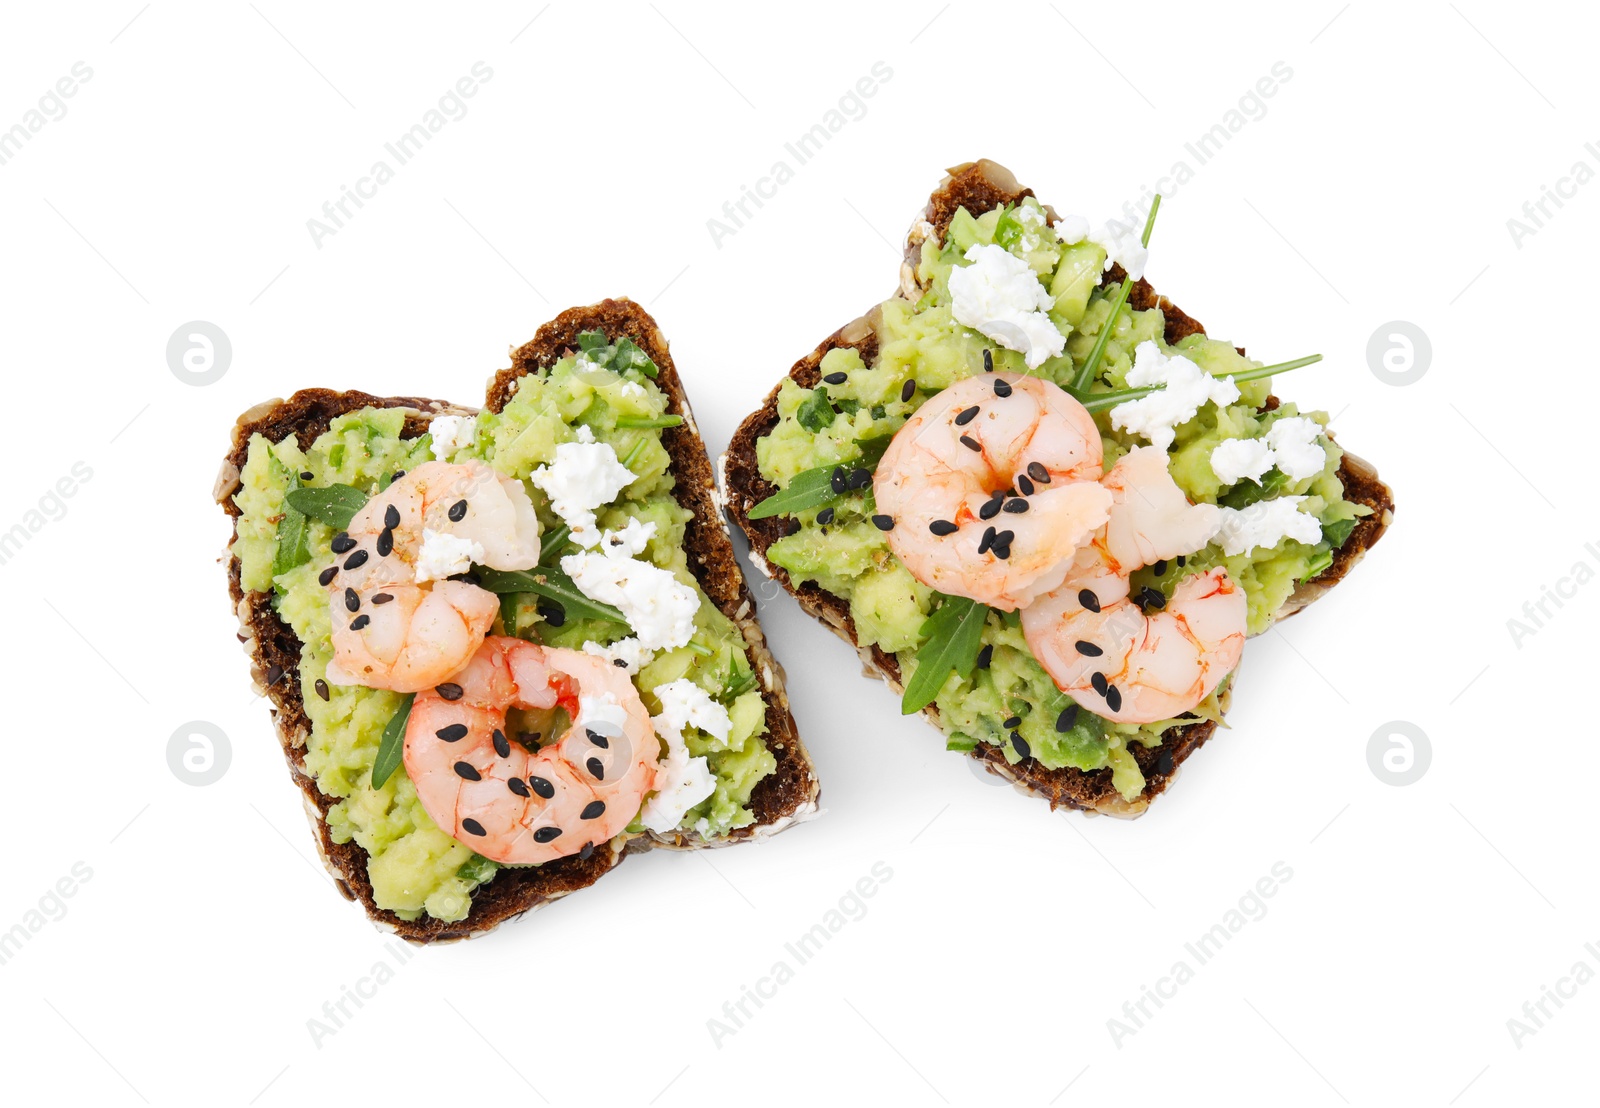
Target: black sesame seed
<point x="599" y="740"/>
<point x="1040" y="474"/>
<point x="1016" y="507"/>
<point x="988" y="360"/>
<point x="322" y="688"/>
<point x="352" y="601"/>
<point x="1020" y="745"/>
<point x="620" y="663"/>
<point x="596" y="768"/>
<point x="466" y="772"/>
<point x="342" y="542"/>
<point x="307" y="475"/>
<point x="588" y="849"/>
<point x="1012" y="722"/>
<point x="1088" y="649"/>
<point x="325" y="578"/>
<point x="1113" y="698"/>
<point x="1152" y="598"/>
<point x="1001" y="552"/>
<point x="859" y="478"/>
<point x="454" y="733"/>
<point x="396" y="475"/>
<point x="502" y="745"/>
<point x="837" y="378"/>
<point x="546" y="834"/>
<point x="908" y="390"/>
<point x="1089" y="600"/>
<point x="943" y="527"/>
<point x="840" y="481"/>
<point x="791" y="526"/>
<point x="985" y="656"/>
<point x="593" y="810"/>
<point x="965" y="416"/>
<point x="458" y="511"/>
<point x="542" y="787"/>
<point x="1004" y="538"/>
<point x="883" y="523"/>
<point x="274" y="675"/>
<point x="987" y="541"/>
<point x="1183" y="560"/>
<point x="449" y="690"/>
<point x="518" y="786"/>
<point x="472" y="827"/>
<point x="971" y="443"/>
<point x="1024" y="485"/>
<point x="554" y="615"/>
<point x="991" y="507"/>
<point x="528" y="738"/>
<point x="360" y="621"/>
<point x="382" y="598"/>
<point x="1097" y="681"/>
<point x="385" y="543"/>
<point x="1002" y="388"/>
<point x="1159" y="568"/>
<point x="359" y="558"/>
<point x="1068" y="718"/>
<point x="825" y="516"/>
<point x="1164" y="764"/>
<point x="391" y="517"/>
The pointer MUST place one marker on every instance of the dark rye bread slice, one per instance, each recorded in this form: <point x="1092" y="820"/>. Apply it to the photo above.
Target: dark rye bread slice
<point x="784" y="798"/>
<point x="980" y="187"/>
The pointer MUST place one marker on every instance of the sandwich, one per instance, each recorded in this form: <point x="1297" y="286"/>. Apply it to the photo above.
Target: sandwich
<point x="1042" y="504"/>
<point x="505" y="648"/>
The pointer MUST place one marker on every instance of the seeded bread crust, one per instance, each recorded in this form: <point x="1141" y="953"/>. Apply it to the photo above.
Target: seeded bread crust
<point x="787" y="796"/>
<point x="980" y="187"/>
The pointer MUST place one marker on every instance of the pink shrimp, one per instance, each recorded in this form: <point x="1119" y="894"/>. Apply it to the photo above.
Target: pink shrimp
<point x="990" y="486"/>
<point x="483" y="786"/>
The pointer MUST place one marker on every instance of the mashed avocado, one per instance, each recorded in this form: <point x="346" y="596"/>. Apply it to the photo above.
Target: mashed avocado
<point x="921" y="350"/>
<point x="414" y="866"/>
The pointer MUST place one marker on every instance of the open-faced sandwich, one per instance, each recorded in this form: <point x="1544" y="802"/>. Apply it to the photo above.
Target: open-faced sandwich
<point x="506" y="648"/>
<point x="1041" y="502"/>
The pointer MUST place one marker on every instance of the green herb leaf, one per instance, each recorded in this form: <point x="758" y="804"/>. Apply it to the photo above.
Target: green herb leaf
<point x="1247" y="492"/>
<point x="953" y="634"/>
<point x="591" y="341"/>
<point x="551" y="542"/>
<point x="1338" y="532"/>
<point x="629" y="356"/>
<point x="1008" y="231"/>
<point x="847" y="406"/>
<point x="872" y="451"/>
<point x="816" y="411"/>
<point x="1321" y="559"/>
<point x="636" y="422"/>
<point x="1100" y="401"/>
<point x="334" y="505"/>
<point x="478" y="870"/>
<point x="292" y="549"/>
<point x="813" y="488"/>
<point x="551" y="584"/>
<point x="392" y="746"/>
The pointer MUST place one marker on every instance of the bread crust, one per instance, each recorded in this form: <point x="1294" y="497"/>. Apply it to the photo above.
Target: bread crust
<point x="980" y="187"/>
<point x="787" y="796"/>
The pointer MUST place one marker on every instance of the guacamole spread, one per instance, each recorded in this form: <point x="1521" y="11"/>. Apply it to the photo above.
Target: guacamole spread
<point x="414" y="866"/>
<point x="921" y="349"/>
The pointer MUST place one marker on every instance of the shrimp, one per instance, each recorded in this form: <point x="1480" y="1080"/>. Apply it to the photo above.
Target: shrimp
<point x="396" y="625"/>
<point x="1106" y="651"/>
<point x="989" y="488"/>
<point x="510" y="804"/>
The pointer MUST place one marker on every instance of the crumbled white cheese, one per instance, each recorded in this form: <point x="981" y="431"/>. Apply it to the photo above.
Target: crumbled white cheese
<point x="1031" y="220"/>
<point x="1000" y="296"/>
<point x="1295" y="447"/>
<point x="584" y="476"/>
<point x="1071" y="229"/>
<point x="602" y="714"/>
<point x="1188" y="387"/>
<point x="444" y="555"/>
<point x="658" y="607"/>
<point x="632" y="388"/>
<point x="631" y="540"/>
<point x="627" y="654"/>
<point x="682" y="781"/>
<point x="452" y="433"/>
<point x="1234" y="460"/>
<point x="1265" y="523"/>
<point x="1122" y="246"/>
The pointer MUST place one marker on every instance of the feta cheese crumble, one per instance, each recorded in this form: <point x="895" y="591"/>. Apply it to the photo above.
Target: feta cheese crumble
<point x="1071" y="229"/>
<point x="1122" y="246"/>
<point x="452" y="433"/>
<point x="1000" y="296"/>
<point x="1188" y="387"/>
<point x="1266" y="523"/>
<point x="658" y="607"/>
<point x="584" y="476"/>
<point x="1031" y="220"/>
<point x="602" y="714"/>
<point x="1234" y="460"/>
<point x="627" y="654"/>
<point x="444" y="555"/>
<point x="1295" y="447"/>
<point x="682" y="781"/>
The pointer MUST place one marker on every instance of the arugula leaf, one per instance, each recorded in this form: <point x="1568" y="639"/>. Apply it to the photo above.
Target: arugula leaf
<point x="816" y="411"/>
<point x="591" y="341"/>
<point x="334" y="505"/>
<point x="293" y="549"/>
<point x="478" y="870"/>
<point x="1338" y="532"/>
<point x="629" y="356"/>
<point x="1247" y="492"/>
<point x="812" y="488"/>
<point x="551" y="584"/>
<point x="392" y="746"/>
<point x="551" y="542"/>
<point x="1091" y="366"/>
<point x="872" y="451"/>
<point x="953" y="634"/>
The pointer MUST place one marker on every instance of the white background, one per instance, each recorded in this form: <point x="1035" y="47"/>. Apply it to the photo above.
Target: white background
<point x="1376" y="187"/>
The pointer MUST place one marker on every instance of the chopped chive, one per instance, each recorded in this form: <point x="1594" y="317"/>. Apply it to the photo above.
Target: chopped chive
<point x="625" y="423"/>
<point x="1091" y="366"/>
